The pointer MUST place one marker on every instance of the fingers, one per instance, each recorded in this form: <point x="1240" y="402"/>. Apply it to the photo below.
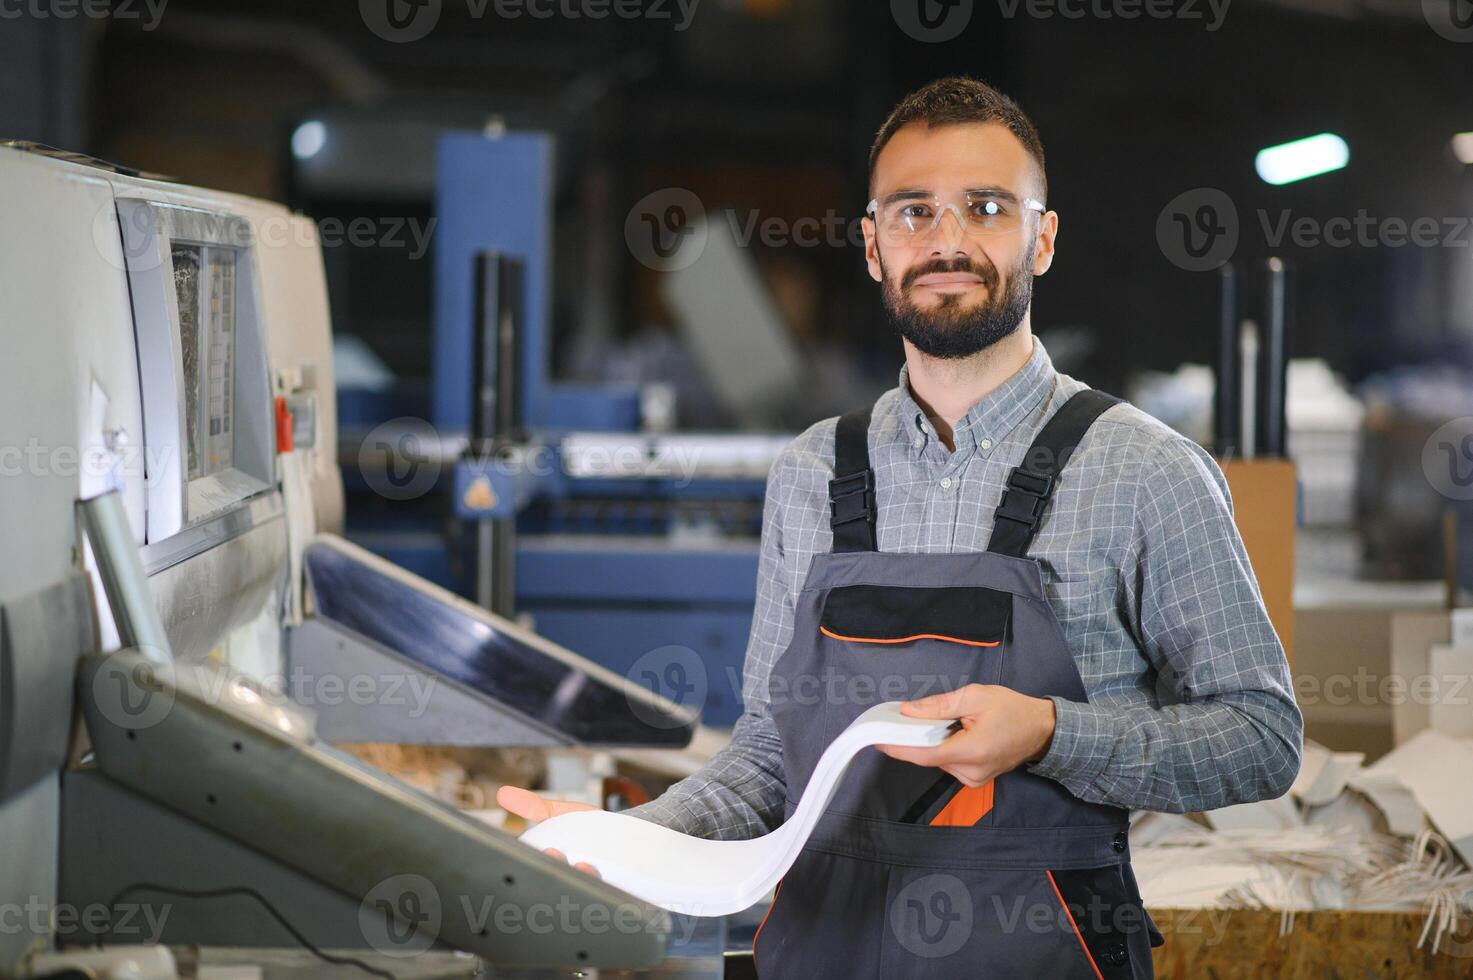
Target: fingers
<point x="969" y="776"/>
<point x="533" y="808"/>
<point x="959" y="703"/>
<point x="524" y="803"/>
<point x="960" y="748"/>
<point x="582" y="866"/>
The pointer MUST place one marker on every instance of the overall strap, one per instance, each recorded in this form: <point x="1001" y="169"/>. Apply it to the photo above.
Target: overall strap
<point x="852" y="490"/>
<point x="1031" y="484"/>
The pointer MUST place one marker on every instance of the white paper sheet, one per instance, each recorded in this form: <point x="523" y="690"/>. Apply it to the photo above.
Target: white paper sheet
<point x="1434" y="769"/>
<point x="706" y="877"/>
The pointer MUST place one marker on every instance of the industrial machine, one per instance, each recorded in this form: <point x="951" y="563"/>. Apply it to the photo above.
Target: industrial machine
<point x="168" y="495"/>
<point x="579" y="508"/>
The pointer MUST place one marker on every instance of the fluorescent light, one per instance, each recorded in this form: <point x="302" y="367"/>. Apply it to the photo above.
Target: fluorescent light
<point x="1462" y="145"/>
<point x="308" y="139"/>
<point x="1309" y="157"/>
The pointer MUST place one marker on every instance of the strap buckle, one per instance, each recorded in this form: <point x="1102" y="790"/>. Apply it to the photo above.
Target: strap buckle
<point x="1026" y="497"/>
<point x="852" y="498"/>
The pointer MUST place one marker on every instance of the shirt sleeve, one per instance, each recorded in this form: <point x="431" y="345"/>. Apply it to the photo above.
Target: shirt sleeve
<point x="1223" y="727"/>
<point x="739" y="794"/>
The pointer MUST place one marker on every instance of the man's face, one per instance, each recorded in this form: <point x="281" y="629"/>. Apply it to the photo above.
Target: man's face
<point x="958" y="287"/>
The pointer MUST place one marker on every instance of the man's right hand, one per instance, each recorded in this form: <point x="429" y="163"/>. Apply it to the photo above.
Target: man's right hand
<point x="535" y="809"/>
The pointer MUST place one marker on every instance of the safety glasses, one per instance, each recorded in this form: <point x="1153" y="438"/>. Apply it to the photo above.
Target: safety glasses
<point x="908" y="215"/>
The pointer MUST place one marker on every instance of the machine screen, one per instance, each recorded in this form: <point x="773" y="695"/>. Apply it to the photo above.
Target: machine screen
<point x="205" y="287"/>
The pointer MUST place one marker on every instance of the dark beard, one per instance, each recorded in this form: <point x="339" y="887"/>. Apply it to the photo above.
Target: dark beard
<point x="950" y="331"/>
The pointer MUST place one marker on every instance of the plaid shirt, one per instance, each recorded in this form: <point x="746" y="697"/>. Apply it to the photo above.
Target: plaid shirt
<point x="1190" y="701"/>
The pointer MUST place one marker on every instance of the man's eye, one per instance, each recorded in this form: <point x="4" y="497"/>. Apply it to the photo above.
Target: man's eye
<point x="988" y="209"/>
<point x="915" y="211"/>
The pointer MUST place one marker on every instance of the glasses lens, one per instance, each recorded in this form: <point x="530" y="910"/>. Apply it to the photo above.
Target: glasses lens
<point x="980" y="215"/>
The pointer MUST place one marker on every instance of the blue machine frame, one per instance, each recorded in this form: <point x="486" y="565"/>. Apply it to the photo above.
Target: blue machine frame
<point x="673" y="617"/>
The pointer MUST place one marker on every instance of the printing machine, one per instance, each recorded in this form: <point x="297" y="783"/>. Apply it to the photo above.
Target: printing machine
<point x="634" y="545"/>
<point x="168" y="496"/>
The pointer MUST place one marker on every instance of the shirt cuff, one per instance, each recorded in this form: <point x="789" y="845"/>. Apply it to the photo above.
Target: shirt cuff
<point x="1073" y="757"/>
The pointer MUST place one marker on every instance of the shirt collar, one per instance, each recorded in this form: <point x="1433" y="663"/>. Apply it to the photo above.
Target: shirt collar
<point x="995" y="416"/>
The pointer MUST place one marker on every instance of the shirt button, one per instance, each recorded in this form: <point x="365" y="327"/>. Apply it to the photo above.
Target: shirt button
<point x="946" y="483"/>
<point x="920" y="441"/>
<point x="986" y="444"/>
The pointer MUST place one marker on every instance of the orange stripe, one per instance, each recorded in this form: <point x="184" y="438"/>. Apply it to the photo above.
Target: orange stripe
<point x="970" y="804"/>
<point x="906" y="639"/>
<point x="775" y="893"/>
<point x="1077" y="935"/>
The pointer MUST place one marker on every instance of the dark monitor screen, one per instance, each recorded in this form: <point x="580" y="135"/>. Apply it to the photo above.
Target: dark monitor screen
<point x="548" y="685"/>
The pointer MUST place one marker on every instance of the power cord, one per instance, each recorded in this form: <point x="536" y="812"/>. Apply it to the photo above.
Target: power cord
<point x="306" y="944"/>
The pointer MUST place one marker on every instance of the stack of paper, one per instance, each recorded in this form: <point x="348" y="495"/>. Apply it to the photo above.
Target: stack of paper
<point x="710" y="877"/>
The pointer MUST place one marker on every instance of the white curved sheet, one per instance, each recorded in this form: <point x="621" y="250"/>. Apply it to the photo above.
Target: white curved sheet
<point x="711" y="877"/>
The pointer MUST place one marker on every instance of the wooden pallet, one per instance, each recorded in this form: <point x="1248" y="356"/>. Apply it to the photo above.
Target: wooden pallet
<point x="1225" y="944"/>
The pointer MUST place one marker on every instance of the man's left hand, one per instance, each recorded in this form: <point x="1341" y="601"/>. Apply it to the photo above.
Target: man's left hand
<point x="1001" y="730"/>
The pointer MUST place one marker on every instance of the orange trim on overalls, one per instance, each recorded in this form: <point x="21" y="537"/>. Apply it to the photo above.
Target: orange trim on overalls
<point x="969" y="805"/>
<point x="1077" y="934"/>
<point x="907" y="639"/>
<point x="775" y="893"/>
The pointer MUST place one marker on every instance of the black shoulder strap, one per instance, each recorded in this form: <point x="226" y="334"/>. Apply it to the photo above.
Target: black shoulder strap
<point x="1031" y="483"/>
<point x="852" y="490"/>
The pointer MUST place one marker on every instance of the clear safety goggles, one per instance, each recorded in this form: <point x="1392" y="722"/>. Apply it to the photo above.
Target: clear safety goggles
<point x="981" y="214"/>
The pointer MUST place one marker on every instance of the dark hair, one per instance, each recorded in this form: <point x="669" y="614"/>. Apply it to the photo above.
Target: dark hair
<point x="958" y="99"/>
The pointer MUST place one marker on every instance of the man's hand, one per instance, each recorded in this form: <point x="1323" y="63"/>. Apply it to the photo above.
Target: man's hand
<point x="535" y="809"/>
<point x="1001" y="730"/>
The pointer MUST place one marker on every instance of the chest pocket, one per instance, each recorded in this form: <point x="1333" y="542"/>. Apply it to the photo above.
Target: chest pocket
<point x="887" y="615"/>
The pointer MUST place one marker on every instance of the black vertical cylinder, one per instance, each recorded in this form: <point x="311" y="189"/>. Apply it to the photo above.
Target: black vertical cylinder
<point x="1271" y="432"/>
<point x="496" y="391"/>
<point x="1227" y="422"/>
<point x="496" y="412"/>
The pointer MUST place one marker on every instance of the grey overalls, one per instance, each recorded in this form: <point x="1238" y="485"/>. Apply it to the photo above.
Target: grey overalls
<point x="910" y="874"/>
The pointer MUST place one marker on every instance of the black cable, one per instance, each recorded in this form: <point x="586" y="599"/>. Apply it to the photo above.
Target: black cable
<point x="306" y="944"/>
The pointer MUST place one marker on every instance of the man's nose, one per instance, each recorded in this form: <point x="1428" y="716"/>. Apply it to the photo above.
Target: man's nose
<point x="949" y="236"/>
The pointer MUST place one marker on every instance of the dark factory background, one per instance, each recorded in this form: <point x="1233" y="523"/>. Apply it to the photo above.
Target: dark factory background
<point x="768" y="107"/>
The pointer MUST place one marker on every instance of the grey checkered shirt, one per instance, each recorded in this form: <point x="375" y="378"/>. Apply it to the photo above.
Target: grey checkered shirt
<point x="1190" y="703"/>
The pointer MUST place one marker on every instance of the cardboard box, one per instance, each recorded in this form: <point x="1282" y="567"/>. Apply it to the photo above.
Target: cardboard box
<point x="1265" y="495"/>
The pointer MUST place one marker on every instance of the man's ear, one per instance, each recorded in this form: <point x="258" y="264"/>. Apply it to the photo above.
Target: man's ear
<point x="871" y="249"/>
<point x="1048" y="231"/>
